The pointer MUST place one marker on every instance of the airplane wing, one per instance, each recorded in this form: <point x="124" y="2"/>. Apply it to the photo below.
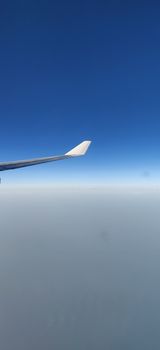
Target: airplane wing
<point x="79" y="150"/>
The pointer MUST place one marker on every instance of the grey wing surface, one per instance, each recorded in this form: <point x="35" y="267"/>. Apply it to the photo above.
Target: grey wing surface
<point x="79" y="150"/>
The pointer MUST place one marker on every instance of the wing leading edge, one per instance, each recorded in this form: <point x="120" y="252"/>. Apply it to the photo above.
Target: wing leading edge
<point x="77" y="151"/>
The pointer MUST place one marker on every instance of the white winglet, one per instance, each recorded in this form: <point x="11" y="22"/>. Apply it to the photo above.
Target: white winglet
<point x="79" y="150"/>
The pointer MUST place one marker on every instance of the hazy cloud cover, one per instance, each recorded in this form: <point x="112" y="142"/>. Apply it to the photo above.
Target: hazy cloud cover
<point x="79" y="268"/>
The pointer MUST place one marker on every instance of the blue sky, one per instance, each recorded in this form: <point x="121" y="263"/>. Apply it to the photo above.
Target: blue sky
<point x="76" y="70"/>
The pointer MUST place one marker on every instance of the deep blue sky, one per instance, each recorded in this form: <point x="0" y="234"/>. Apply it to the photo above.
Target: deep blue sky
<point x="76" y="70"/>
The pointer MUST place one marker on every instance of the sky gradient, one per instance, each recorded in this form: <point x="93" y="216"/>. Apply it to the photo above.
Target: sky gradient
<point x="77" y="70"/>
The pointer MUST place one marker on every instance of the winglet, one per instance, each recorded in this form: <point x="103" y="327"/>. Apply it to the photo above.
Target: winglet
<point x="79" y="150"/>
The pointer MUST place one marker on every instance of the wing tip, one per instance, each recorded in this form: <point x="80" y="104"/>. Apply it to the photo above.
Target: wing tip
<point x="80" y="149"/>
